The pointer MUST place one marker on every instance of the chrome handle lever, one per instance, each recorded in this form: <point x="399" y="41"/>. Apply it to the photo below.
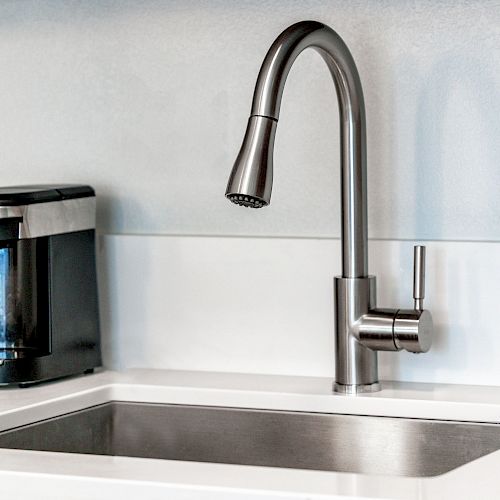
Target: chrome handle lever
<point x="418" y="276"/>
<point x="397" y="329"/>
<point x="413" y="328"/>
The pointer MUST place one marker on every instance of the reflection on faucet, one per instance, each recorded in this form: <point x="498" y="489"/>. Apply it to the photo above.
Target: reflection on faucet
<point x="361" y="329"/>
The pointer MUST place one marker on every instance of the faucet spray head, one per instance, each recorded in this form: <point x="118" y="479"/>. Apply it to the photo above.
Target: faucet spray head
<point x="251" y="179"/>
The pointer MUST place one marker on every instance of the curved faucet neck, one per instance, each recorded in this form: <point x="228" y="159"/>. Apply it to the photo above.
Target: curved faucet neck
<point x="267" y="101"/>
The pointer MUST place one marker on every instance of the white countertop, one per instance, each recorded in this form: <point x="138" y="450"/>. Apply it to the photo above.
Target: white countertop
<point x="24" y="474"/>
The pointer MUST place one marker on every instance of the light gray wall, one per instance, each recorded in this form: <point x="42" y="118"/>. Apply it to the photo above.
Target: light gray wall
<point x="148" y="102"/>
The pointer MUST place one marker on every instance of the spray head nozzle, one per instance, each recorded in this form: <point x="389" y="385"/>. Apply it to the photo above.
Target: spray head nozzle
<point x="251" y="179"/>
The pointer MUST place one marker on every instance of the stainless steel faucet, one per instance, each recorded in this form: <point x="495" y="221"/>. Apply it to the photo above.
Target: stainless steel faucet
<point x="361" y="329"/>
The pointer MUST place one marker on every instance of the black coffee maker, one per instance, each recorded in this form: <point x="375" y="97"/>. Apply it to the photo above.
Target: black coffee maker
<point x="49" y="317"/>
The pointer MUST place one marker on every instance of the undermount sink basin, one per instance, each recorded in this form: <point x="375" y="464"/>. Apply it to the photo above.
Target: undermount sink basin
<point x="327" y="442"/>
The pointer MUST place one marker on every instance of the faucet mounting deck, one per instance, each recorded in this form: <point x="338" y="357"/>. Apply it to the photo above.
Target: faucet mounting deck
<point x="360" y="328"/>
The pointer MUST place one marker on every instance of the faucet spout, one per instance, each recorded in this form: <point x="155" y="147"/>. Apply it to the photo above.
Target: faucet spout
<point x="248" y="180"/>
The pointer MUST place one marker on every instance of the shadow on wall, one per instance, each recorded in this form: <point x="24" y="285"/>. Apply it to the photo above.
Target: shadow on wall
<point x="432" y="173"/>
<point x="473" y="76"/>
<point x="110" y="209"/>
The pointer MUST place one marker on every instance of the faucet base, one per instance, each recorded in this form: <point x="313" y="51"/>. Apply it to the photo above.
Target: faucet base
<point x="355" y="364"/>
<point x="355" y="388"/>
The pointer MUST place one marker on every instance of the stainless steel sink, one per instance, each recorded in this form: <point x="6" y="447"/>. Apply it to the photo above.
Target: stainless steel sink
<point x="343" y="443"/>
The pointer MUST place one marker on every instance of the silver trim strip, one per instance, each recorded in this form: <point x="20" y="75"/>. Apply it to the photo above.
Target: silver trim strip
<point x="54" y="217"/>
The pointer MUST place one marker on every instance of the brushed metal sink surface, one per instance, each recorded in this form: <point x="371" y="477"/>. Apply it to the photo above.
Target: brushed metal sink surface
<point x="328" y="442"/>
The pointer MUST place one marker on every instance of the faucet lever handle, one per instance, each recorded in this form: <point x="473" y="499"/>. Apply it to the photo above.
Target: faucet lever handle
<point x="418" y="276"/>
<point x="412" y="328"/>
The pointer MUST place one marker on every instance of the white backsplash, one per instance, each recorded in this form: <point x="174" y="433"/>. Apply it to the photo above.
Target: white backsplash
<point x="265" y="305"/>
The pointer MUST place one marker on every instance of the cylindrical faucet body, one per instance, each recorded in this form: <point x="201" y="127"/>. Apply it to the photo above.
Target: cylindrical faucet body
<point x="251" y="180"/>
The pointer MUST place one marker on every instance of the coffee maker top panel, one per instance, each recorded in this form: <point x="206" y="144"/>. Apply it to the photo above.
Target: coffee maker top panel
<point x="12" y="196"/>
<point x="45" y="210"/>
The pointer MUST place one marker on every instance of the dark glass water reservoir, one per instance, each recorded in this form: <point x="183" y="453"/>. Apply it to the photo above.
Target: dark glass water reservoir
<point x="24" y="292"/>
